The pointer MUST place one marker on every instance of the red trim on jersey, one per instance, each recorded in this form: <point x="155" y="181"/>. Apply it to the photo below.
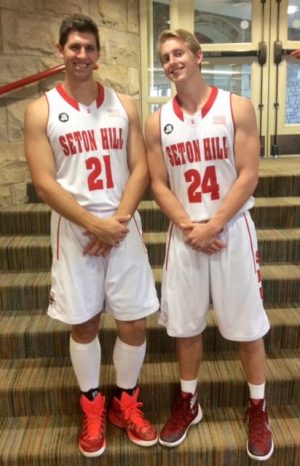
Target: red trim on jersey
<point x="168" y="246"/>
<point x="57" y="238"/>
<point x="66" y="96"/>
<point x="251" y="243"/>
<point x="210" y="101"/>
<point x="74" y="103"/>
<point x="100" y="98"/>
<point x="177" y="108"/>
<point x="204" y="110"/>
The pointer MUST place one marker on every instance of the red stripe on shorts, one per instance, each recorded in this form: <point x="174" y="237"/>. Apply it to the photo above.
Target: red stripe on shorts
<point x="57" y="238"/>
<point x="168" y="245"/>
<point x="251" y="243"/>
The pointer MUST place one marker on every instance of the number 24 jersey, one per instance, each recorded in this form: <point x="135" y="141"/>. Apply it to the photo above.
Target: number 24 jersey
<point x="199" y="154"/>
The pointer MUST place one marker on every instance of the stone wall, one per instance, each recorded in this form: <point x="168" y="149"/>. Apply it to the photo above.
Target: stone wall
<point x="28" y="37"/>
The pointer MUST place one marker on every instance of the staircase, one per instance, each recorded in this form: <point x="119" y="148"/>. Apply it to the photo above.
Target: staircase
<point x="39" y="410"/>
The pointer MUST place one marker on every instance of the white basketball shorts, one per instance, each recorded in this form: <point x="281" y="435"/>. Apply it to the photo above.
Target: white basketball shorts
<point x="81" y="286"/>
<point x="230" y="279"/>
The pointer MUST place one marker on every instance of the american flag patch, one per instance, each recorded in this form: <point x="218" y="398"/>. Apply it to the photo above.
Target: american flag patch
<point x="219" y="120"/>
<point x="113" y="112"/>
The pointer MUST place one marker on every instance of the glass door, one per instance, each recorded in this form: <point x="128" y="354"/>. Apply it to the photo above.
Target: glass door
<point x="234" y="36"/>
<point x="246" y="47"/>
<point x="284" y="79"/>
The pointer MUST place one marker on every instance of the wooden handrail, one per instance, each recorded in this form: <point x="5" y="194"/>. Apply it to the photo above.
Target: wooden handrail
<point x="31" y="79"/>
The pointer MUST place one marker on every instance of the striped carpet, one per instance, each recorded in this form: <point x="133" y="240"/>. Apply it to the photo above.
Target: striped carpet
<point x="38" y="392"/>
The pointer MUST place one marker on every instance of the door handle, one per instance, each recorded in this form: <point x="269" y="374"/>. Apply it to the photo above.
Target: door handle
<point x="262" y="53"/>
<point x="277" y="52"/>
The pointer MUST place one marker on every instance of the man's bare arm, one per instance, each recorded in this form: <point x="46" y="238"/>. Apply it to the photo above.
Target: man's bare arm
<point x="167" y="201"/>
<point x="137" y="162"/>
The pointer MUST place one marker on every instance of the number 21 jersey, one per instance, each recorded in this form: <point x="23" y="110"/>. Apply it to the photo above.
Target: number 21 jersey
<point x="90" y="147"/>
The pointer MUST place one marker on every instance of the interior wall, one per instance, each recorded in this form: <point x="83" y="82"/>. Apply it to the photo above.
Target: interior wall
<point x="28" y="37"/>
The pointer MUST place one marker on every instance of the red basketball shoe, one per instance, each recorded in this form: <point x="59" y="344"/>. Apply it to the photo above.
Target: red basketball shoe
<point x="92" y="434"/>
<point x="186" y="412"/>
<point x="260" y="444"/>
<point x="126" y="413"/>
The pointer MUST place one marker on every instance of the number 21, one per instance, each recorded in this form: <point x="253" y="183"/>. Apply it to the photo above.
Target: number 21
<point x="96" y="166"/>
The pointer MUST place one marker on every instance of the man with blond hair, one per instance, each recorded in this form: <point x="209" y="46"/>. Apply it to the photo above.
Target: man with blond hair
<point x="203" y="155"/>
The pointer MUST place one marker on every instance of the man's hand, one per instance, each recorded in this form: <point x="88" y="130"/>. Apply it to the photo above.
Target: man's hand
<point x="112" y="230"/>
<point x="202" y="238"/>
<point x="107" y="234"/>
<point x="295" y="54"/>
<point x="96" y="247"/>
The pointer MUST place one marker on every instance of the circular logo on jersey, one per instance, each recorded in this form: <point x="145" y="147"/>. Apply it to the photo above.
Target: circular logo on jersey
<point x="168" y="128"/>
<point x="63" y="117"/>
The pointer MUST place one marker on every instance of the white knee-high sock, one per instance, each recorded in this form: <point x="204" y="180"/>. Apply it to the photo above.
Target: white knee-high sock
<point x="86" y="360"/>
<point x="128" y="361"/>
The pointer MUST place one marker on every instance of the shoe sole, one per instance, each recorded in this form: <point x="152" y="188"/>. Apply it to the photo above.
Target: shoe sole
<point x="132" y="438"/>
<point x="261" y="458"/>
<point x="93" y="454"/>
<point x="142" y="443"/>
<point x="197" y="419"/>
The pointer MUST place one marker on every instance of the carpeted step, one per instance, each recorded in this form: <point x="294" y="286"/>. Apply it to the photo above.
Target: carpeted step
<point x="279" y="177"/>
<point x="26" y="290"/>
<point x="278" y="186"/>
<point x="281" y="283"/>
<point x="275" y="245"/>
<point x="26" y="219"/>
<point x="267" y="213"/>
<point x="21" y="253"/>
<point x="276" y="212"/>
<point x="35" y="335"/>
<point x="42" y="386"/>
<point x="279" y="245"/>
<point x="30" y="290"/>
<point x="34" y="219"/>
<point x="219" y="439"/>
<point x="36" y="377"/>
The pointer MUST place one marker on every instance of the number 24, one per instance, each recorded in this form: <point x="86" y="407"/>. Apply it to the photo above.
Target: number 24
<point x="207" y="185"/>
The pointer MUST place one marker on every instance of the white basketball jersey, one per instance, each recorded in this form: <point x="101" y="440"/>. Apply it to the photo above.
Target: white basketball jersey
<point x="199" y="154"/>
<point x="90" y="147"/>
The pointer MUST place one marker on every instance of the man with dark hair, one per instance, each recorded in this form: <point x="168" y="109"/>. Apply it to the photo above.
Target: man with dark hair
<point x="87" y="160"/>
<point x="203" y="155"/>
<point x="78" y="23"/>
